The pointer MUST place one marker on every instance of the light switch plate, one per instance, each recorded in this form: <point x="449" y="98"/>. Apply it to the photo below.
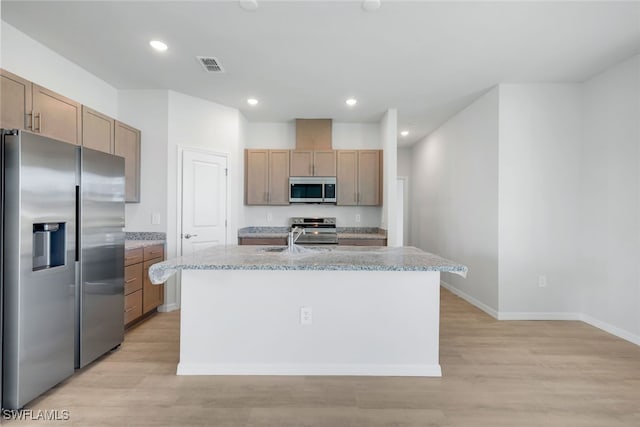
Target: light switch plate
<point x="155" y="218"/>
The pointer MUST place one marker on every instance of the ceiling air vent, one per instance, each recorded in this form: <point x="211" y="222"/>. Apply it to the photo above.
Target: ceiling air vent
<point x="211" y="64"/>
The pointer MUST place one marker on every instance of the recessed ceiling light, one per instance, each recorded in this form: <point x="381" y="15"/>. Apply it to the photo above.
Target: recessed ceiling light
<point x="404" y="133"/>
<point x="351" y="102"/>
<point x="158" y="45"/>
<point x="252" y="101"/>
<point x="371" y="5"/>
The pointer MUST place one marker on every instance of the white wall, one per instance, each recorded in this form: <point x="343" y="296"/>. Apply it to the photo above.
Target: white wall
<point x="389" y="138"/>
<point x="33" y="61"/>
<point x="404" y="161"/>
<point x="283" y="136"/>
<point x="200" y="124"/>
<point x="610" y="229"/>
<point x="404" y="173"/>
<point x="539" y="209"/>
<point x="454" y="197"/>
<point x="148" y="111"/>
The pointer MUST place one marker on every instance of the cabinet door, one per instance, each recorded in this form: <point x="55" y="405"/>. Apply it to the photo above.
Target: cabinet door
<point x="324" y="163"/>
<point x="127" y="145"/>
<point x="132" y="278"/>
<point x="132" y="306"/>
<point x="256" y="179"/>
<point x="301" y="163"/>
<point x="56" y="116"/>
<point x="369" y="178"/>
<point x="152" y="295"/>
<point x="15" y="102"/>
<point x="313" y="134"/>
<point x="278" y="177"/>
<point x="347" y="177"/>
<point x="97" y="131"/>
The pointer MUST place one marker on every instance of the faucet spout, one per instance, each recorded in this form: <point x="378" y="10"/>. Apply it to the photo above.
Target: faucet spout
<point x="294" y="235"/>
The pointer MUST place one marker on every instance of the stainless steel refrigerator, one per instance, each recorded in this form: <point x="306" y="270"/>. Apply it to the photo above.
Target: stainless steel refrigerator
<point x="62" y="261"/>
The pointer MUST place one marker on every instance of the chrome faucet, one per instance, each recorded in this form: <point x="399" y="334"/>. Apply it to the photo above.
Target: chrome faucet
<point x="294" y="235"/>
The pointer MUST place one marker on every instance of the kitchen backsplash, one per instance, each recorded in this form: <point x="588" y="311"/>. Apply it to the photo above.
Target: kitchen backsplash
<point x="279" y="216"/>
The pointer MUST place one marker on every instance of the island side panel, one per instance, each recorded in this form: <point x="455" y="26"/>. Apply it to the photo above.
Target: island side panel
<point x="238" y="322"/>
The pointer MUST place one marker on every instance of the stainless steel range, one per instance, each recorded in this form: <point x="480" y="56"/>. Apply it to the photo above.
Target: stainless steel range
<point x="317" y="231"/>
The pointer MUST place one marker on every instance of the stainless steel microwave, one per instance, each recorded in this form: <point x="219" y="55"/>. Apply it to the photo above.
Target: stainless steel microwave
<point x="312" y="189"/>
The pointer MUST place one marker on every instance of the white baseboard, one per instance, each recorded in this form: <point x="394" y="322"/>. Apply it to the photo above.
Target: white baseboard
<point x="319" y="369"/>
<point x="526" y="315"/>
<point x="502" y="315"/>
<point x="471" y="300"/>
<point x="613" y="330"/>
<point x="165" y="308"/>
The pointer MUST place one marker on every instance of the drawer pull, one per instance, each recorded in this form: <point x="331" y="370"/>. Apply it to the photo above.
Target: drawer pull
<point x="131" y="309"/>
<point x="131" y="280"/>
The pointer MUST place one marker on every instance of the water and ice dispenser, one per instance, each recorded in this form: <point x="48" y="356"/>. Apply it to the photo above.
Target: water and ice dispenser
<point x="49" y="245"/>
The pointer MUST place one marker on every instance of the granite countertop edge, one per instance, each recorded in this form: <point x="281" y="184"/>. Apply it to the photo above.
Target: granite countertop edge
<point x="135" y="244"/>
<point x="379" y="258"/>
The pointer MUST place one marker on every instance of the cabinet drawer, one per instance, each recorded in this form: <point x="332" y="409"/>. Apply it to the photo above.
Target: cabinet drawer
<point x="132" y="306"/>
<point x="132" y="278"/>
<point x="133" y="256"/>
<point x="155" y="251"/>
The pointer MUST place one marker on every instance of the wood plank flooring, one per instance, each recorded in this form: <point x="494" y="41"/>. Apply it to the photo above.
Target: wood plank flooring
<point x="495" y="373"/>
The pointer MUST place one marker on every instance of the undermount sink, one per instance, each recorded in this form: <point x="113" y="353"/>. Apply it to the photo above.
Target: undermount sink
<point x="274" y="249"/>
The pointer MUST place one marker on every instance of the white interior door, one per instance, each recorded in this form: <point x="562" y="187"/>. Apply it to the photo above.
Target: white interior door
<point x="204" y="200"/>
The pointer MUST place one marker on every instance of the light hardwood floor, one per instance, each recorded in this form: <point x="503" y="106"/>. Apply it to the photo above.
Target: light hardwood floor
<point x="495" y="373"/>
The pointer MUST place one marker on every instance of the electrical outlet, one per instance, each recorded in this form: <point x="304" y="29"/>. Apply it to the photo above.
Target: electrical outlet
<point x="542" y="281"/>
<point x="357" y="217"/>
<point x="269" y="217"/>
<point x="306" y="316"/>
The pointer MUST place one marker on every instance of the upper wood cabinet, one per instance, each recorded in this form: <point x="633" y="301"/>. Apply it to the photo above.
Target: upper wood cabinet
<point x="369" y="177"/>
<point x="347" y="178"/>
<point x="25" y="105"/>
<point x="267" y="177"/>
<point x="98" y="131"/>
<point x="313" y="163"/>
<point x="359" y="177"/>
<point x="127" y="145"/>
<point x="15" y="102"/>
<point x="313" y="134"/>
<point x="56" y="116"/>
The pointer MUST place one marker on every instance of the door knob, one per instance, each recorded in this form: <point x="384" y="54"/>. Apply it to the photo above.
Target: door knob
<point x="188" y="236"/>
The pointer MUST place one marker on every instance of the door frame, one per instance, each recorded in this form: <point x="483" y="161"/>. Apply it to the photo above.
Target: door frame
<point x="179" y="206"/>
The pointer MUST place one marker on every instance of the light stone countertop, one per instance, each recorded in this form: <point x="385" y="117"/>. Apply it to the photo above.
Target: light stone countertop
<point x="370" y="258"/>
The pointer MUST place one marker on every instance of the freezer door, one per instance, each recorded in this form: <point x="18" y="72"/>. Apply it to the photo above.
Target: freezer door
<point x="39" y="188"/>
<point x="100" y="318"/>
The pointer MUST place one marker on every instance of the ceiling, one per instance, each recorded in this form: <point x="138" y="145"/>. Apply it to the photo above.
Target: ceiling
<point x="302" y="59"/>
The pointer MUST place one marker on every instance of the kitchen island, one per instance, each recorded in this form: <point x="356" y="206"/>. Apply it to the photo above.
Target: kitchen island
<point x="320" y="311"/>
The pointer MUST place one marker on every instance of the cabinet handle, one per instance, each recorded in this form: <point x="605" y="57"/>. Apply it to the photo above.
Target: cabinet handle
<point x="131" y="309"/>
<point x="33" y="126"/>
<point x="131" y="280"/>
<point x="28" y="122"/>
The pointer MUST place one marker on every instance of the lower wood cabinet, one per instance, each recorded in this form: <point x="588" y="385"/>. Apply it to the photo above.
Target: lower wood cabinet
<point x="140" y="295"/>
